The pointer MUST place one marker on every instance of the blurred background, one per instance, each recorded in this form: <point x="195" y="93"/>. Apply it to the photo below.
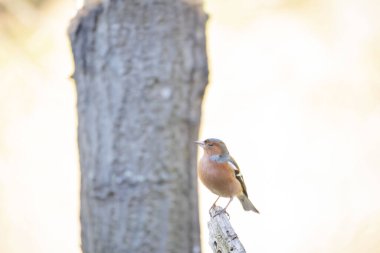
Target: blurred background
<point x="294" y="92"/>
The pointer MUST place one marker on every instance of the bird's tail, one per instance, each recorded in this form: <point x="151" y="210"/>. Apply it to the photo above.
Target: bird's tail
<point x="247" y="204"/>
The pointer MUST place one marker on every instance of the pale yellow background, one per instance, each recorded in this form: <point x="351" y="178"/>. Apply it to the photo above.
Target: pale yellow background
<point x="294" y="93"/>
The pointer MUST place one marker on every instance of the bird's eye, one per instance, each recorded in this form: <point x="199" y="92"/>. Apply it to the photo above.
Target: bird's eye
<point x="210" y="144"/>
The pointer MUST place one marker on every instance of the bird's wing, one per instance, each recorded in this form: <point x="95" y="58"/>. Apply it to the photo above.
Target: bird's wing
<point x="233" y="164"/>
<point x="238" y="175"/>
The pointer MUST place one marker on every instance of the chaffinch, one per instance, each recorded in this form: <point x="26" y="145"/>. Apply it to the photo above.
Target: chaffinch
<point x="219" y="172"/>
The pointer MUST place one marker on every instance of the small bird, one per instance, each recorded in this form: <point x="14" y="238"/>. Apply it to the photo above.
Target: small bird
<point x="220" y="173"/>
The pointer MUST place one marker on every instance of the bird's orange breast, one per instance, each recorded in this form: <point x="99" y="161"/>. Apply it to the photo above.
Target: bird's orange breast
<point x="218" y="177"/>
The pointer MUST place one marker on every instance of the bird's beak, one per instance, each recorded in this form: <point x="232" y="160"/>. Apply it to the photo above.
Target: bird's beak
<point x="200" y="143"/>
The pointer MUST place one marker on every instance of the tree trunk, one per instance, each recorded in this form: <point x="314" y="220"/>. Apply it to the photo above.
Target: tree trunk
<point x="141" y="71"/>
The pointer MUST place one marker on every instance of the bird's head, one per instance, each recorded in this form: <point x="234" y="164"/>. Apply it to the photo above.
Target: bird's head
<point x="213" y="146"/>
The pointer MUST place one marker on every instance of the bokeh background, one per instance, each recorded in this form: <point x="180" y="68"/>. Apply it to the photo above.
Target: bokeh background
<point x="294" y="92"/>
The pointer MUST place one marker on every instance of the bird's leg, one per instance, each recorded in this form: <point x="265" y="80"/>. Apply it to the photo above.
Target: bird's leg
<point x="213" y="205"/>
<point x="215" y="201"/>
<point x="224" y="209"/>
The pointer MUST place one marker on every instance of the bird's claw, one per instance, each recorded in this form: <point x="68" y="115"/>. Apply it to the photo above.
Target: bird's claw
<point x="218" y="213"/>
<point x="209" y="211"/>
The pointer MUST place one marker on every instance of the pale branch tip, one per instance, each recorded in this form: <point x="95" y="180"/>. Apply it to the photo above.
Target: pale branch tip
<point x="222" y="236"/>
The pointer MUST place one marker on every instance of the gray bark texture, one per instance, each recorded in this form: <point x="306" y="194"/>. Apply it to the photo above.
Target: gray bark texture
<point x="140" y="72"/>
<point x="222" y="236"/>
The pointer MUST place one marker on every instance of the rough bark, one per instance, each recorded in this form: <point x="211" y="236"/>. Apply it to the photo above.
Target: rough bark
<point x="222" y="236"/>
<point x="140" y="72"/>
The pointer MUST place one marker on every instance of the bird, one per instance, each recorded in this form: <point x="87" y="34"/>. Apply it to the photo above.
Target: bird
<point x="219" y="172"/>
